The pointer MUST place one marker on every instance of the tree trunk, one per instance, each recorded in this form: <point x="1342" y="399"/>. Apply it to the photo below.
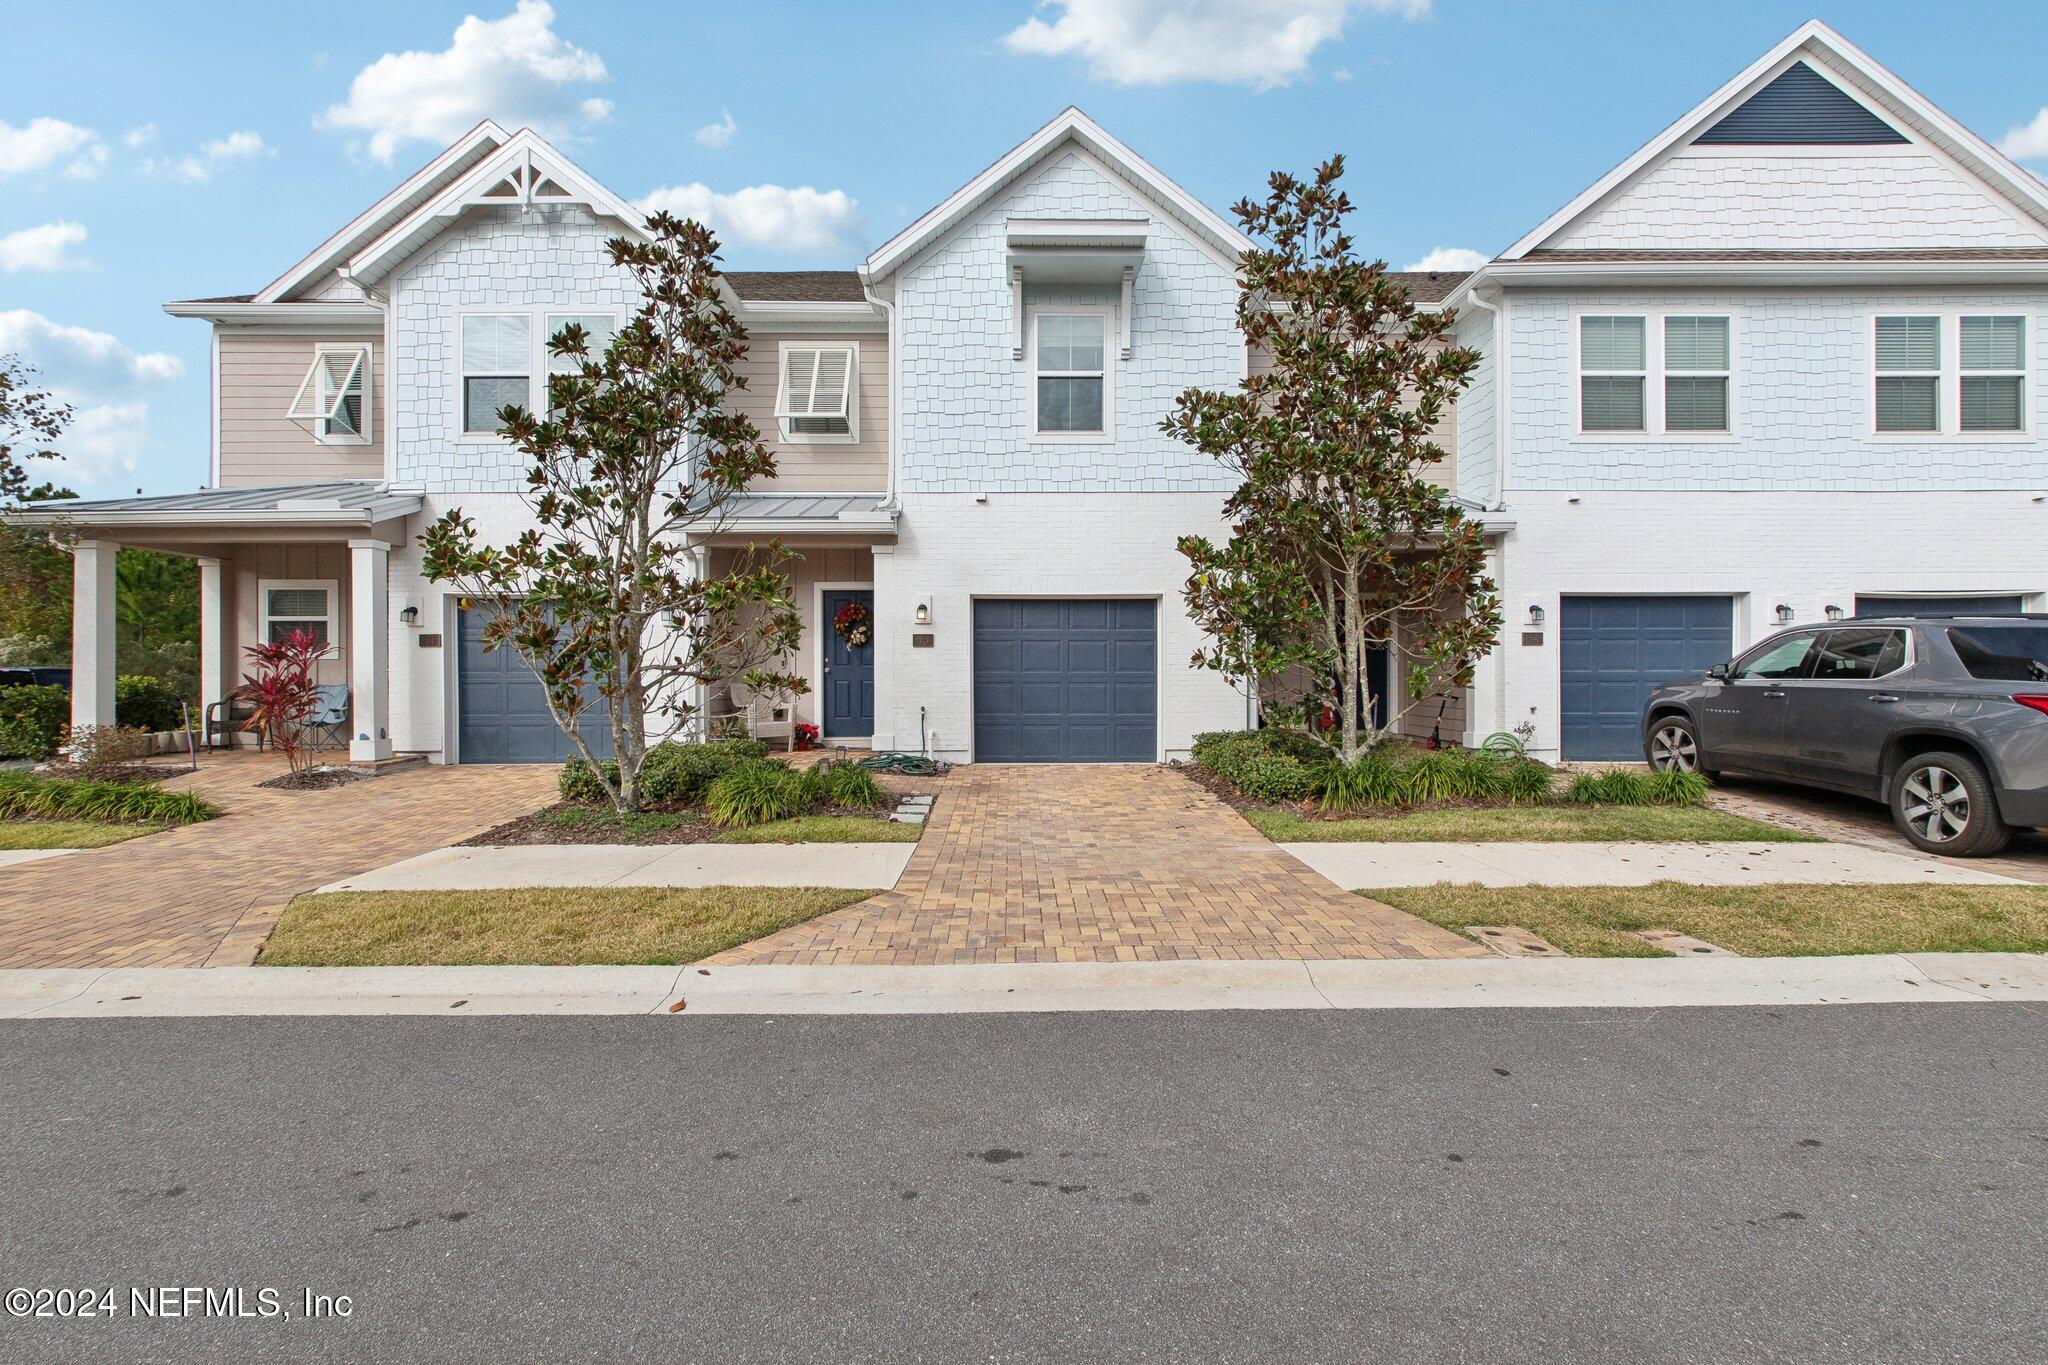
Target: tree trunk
<point x="1354" y="668"/>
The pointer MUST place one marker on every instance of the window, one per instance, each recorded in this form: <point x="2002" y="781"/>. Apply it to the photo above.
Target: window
<point x="1777" y="659"/>
<point x="1070" y="394"/>
<point x="1994" y="361"/>
<point x="333" y="400"/>
<point x="597" y="334"/>
<point x="1859" y="655"/>
<point x="290" y="605"/>
<point x="1909" y="374"/>
<point x="2016" y="653"/>
<point x="817" y="393"/>
<point x="1696" y="374"/>
<point x="497" y="367"/>
<point x="1613" y="359"/>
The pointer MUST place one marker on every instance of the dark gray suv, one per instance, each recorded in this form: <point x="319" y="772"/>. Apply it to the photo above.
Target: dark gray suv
<point x="1944" y="719"/>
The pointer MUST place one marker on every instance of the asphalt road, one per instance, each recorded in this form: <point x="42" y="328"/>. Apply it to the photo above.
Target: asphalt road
<point x="1848" y="1183"/>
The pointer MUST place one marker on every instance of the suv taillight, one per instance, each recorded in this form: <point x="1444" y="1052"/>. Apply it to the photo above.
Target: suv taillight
<point x="2034" y="700"/>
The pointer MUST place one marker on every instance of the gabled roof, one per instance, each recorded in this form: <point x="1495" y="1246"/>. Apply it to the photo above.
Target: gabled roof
<point x="1829" y="55"/>
<point x="1070" y="127"/>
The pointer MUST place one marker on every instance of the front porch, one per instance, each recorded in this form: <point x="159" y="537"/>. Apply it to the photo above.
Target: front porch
<point x="271" y="561"/>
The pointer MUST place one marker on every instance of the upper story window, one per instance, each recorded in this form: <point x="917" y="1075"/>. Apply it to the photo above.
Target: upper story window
<point x="497" y="367"/>
<point x="817" y="393"/>
<point x="333" y="400"/>
<point x="1070" y="395"/>
<point x="598" y="329"/>
<point x="1949" y="374"/>
<point x="1648" y="373"/>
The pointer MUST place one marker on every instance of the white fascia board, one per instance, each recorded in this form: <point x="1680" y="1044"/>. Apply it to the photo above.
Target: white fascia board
<point x="338" y="311"/>
<point x="1069" y="124"/>
<point x="1083" y="232"/>
<point x="332" y="252"/>
<point x="771" y="313"/>
<point x="354" y="516"/>
<point x="1564" y="274"/>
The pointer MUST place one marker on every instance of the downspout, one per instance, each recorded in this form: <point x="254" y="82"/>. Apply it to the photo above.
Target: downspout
<point x="1499" y="322"/>
<point x="888" y="307"/>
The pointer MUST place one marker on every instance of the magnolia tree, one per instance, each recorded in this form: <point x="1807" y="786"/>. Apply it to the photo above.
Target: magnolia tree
<point x="637" y="454"/>
<point x="1336" y="531"/>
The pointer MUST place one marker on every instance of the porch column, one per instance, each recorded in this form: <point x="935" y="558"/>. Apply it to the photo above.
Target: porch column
<point x="92" y="633"/>
<point x="369" y="684"/>
<point x="213" y="639"/>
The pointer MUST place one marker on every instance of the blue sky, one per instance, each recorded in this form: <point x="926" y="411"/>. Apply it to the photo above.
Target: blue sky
<point x="146" y="157"/>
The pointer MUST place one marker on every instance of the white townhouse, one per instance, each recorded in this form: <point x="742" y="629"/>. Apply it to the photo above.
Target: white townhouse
<point x="1782" y="364"/>
<point x="1779" y="365"/>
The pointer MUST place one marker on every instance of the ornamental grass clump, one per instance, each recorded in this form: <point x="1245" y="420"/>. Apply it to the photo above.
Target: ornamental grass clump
<point x="24" y="796"/>
<point x="757" y="792"/>
<point x="850" y="786"/>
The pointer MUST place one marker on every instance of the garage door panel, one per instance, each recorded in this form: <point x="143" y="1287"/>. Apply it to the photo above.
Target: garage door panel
<point x="1065" y="681"/>
<point x="1613" y="650"/>
<point x="1992" y="605"/>
<point x="502" y="710"/>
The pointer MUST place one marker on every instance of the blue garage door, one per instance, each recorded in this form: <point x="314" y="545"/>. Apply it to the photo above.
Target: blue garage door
<point x="1615" y="649"/>
<point x="1936" y="606"/>
<point x="503" y="710"/>
<point x="1066" y="682"/>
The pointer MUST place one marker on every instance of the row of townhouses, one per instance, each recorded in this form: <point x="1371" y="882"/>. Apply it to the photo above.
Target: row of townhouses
<point x="1782" y="364"/>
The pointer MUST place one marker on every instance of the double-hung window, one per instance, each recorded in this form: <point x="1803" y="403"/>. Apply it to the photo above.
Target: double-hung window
<point x="297" y="605"/>
<point x="497" y="368"/>
<point x="1613" y="373"/>
<point x="1070" y="378"/>
<point x="1993" y="353"/>
<point x="1696" y="371"/>
<point x="333" y="400"/>
<point x="817" y="393"/>
<point x="597" y="335"/>
<point x="1909" y="374"/>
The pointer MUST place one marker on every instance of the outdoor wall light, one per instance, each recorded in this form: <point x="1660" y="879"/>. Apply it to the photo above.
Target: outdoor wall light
<point x="411" y="616"/>
<point x="1784" y="614"/>
<point x="923" y="614"/>
<point x="1535" y="615"/>
<point x="1834" y="612"/>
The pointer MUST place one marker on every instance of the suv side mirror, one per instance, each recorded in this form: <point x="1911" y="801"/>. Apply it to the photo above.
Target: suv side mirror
<point x="1719" y="672"/>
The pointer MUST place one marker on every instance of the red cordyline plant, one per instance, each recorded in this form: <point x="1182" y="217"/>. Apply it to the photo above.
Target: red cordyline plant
<point x="281" y="687"/>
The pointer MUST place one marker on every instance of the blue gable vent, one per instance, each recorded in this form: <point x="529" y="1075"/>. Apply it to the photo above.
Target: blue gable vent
<point x="1800" y="108"/>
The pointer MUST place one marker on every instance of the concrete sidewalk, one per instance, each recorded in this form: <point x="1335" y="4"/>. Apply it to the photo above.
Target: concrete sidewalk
<point x="1362" y="867"/>
<point x="156" y="992"/>
<point x="854" y="866"/>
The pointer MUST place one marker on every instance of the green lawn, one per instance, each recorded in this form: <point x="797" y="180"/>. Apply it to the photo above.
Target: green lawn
<point x="550" y="926"/>
<point x="1533" y="824"/>
<point x="17" y="834"/>
<point x="825" y="829"/>
<point x="1756" y="921"/>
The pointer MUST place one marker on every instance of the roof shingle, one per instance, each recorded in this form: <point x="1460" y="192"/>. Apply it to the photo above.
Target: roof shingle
<point x="796" y="286"/>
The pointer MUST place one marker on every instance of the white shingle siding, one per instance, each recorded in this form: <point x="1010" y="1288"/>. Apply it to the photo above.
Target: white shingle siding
<point x="1477" y="460"/>
<point x="965" y="423"/>
<point x="1743" y="200"/>
<point x="493" y="258"/>
<point x="1801" y="399"/>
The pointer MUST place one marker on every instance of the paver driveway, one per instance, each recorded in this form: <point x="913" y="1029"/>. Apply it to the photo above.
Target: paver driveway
<point x="1098" y="864"/>
<point x="210" y="893"/>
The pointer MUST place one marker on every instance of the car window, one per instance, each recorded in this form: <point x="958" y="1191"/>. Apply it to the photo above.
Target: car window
<point x="1782" y="658"/>
<point x="1858" y="655"/>
<point x="2017" y="653"/>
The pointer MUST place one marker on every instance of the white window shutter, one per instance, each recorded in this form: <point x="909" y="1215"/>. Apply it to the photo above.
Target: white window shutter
<point x="817" y="381"/>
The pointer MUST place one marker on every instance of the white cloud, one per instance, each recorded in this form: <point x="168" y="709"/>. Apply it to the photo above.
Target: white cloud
<point x="1260" y="43"/>
<point x="107" y="384"/>
<point x="41" y="143"/>
<point x="139" y="136"/>
<point x="1457" y="258"/>
<point x="42" y="248"/>
<point x="720" y="134"/>
<point x="2027" y="141"/>
<point x="212" y="156"/>
<point x="516" y="69"/>
<point x="801" y="219"/>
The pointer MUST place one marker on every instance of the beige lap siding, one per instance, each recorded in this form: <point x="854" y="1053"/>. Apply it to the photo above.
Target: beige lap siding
<point x="260" y="373"/>
<point x="252" y="565"/>
<point x="826" y="467"/>
<point x="846" y="565"/>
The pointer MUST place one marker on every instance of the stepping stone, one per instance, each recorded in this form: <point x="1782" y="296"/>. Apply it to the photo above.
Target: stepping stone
<point x="1683" y="945"/>
<point x="1511" y="940"/>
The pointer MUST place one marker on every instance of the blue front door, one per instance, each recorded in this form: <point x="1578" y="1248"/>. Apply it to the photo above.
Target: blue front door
<point x="849" y="681"/>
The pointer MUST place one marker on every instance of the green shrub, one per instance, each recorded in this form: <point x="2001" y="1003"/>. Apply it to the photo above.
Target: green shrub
<point x="1437" y="776"/>
<point x="580" y="783"/>
<point x="1615" y="787"/>
<point x="1525" y="780"/>
<point x="1677" y="789"/>
<point x="1275" y="777"/>
<point x="677" y="774"/>
<point x="758" y="791"/>
<point x="1370" y="781"/>
<point x="145" y="703"/>
<point x="24" y="796"/>
<point x="1273" y="764"/>
<point x="851" y="786"/>
<point x="32" y="720"/>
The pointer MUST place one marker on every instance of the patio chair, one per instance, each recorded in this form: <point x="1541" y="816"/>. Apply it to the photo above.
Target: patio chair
<point x="328" y="725"/>
<point x="224" y="719"/>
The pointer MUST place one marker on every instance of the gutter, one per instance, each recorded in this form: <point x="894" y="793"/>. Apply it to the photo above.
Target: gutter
<point x="1501" y="375"/>
<point x="327" y="311"/>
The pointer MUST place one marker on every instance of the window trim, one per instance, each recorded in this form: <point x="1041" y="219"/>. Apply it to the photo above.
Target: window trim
<point x="332" y="620"/>
<point x="1654" y="373"/>
<point x="316" y="381"/>
<point x="784" y="433"/>
<point x="1105" y="311"/>
<point x="536" y="362"/>
<point x="1948" y="417"/>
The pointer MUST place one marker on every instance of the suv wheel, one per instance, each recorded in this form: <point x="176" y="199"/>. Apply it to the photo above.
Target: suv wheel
<point x="1942" y="803"/>
<point x="1674" y="746"/>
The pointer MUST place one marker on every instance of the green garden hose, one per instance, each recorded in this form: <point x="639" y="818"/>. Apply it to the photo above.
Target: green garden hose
<point x="908" y="765"/>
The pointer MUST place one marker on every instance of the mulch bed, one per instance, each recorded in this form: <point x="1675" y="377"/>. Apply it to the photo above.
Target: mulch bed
<point x="537" y="828"/>
<point x="316" y="779"/>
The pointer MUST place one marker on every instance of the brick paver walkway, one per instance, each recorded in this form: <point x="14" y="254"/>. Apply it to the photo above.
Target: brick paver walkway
<point x="210" y="893"/>
<point x="1098" y="864"/>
